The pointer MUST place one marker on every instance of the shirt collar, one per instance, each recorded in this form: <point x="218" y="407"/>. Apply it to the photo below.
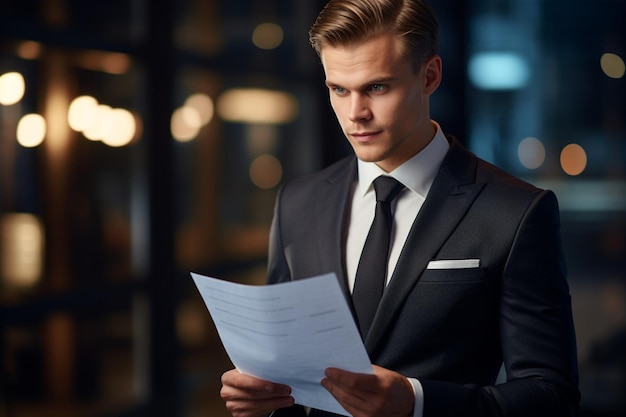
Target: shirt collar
<point x="416" y="174"/>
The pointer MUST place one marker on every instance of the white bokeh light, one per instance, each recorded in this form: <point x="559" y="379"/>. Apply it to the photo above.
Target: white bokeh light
<point x="185" y="124"/>
<point x="531" y="153"/>
<point x="203" y="105"/>
<point x="31" y="130"/>
<point x="123" y="128"/>
<point x="82" y="113"/>
<point x="12" y="88"/>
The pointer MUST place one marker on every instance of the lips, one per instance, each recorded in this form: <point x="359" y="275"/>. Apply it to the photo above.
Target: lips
<point x="364" y="136"/>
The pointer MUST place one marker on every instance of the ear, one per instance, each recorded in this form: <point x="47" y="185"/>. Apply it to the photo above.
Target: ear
<point x="432" y="74"/>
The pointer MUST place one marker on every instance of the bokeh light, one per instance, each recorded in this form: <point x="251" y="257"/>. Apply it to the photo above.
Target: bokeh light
<point x="266" y="171"/>
<point x="267" y="36"/>
<point x="573" y="159"/>
<point x="12" y="87"/>
<point x="31" y="130"/>
<point x="21" y="249"/>
<point x="499" y="71"/>
<point x="203" y="105"/>
<point x="613" y="65"/>
<point x="29" y="50"/>
<point x="115" y="127"/>
<point x="109" y="62"/>
<point x="101" y="124"/>
<point x="185" y="124"/>
<point x="82" y="113"/>
<point x="531" y="153"/>
<point x="255" y="105"/>
<point x="124" y="128"/>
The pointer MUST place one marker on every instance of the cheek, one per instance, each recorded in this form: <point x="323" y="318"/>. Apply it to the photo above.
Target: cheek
<point x="338" y="109"/>
<point x="386" y="113"/>
<point x="410" y="110"/>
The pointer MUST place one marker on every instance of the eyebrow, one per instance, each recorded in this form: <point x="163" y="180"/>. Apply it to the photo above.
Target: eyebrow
<point x="383" y="80"/>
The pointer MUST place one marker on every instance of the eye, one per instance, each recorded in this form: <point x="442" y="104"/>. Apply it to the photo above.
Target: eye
<point x="378" y="88"/>
<point x="339" y="91"/>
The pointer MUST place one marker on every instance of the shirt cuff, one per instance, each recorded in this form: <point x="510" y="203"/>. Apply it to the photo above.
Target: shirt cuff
<point x="418" y="407"/>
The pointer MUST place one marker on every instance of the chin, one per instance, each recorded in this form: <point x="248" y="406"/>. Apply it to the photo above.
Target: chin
<point x="366" y="153"/>
<point x="369" y="157"/>
<point x="366" y="158"/>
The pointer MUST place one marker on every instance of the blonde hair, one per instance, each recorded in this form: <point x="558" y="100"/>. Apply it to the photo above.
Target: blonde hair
<point x="342" y="22"/>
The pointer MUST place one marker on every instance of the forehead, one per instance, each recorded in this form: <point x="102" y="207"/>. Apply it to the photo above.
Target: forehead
<point x="377" y="57"/>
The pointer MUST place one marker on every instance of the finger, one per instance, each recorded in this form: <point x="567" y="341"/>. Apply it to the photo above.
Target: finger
<point x="343" y="386"/>
<point x="255" y="386"/>
<point x="247" y="396"/>
<point x="385" y="393"/>
<point x="354" y="391"/>
<point x="352" y="380"/>
<point x="257" y="408"/>
<point x="351" y="402"/>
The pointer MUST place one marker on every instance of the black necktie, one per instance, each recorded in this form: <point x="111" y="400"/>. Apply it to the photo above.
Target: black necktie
<point x="371" y="273"/>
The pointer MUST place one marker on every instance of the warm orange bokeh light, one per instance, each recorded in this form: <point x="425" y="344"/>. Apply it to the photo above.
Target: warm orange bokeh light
<point x="573" y="159"/>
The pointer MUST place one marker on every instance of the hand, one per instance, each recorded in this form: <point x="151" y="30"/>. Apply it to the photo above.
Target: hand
<point x="385" y="393"/>
<point x="247" y="396"/>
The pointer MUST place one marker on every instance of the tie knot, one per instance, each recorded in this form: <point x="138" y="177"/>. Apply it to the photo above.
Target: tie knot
<point x="387" y="188"/>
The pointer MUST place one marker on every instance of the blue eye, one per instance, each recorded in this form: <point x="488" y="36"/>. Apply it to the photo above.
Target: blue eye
<point x="377" y="87"/>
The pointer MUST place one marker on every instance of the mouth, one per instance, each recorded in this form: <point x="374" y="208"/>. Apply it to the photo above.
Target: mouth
<point x="364" y="137"/>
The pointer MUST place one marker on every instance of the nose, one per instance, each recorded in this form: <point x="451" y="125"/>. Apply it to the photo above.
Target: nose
<point x="359" y="108"/>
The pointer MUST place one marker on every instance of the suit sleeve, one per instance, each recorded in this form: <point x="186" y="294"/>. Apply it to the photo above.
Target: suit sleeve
<point x="536" y="332"/>
<point x="278" y="271"/>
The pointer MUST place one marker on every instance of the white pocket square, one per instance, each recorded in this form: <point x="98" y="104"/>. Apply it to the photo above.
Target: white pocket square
<point x="454" y="264"/>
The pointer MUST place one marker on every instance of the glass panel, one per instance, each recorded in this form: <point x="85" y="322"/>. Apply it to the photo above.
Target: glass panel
<point x="79" y="181"/>
<point x="73" y="335"/>
<point x="264" y="131"/>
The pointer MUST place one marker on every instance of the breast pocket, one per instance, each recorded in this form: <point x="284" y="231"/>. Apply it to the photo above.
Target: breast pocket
<point x="465" y="275"/>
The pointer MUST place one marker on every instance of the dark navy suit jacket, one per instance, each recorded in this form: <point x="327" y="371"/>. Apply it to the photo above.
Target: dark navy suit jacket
<point x="453" y="328"/>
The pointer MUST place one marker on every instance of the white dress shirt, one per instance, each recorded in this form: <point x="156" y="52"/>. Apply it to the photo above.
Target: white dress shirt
<point x="417" y="175"/>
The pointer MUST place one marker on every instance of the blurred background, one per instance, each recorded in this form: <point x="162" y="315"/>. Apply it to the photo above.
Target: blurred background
<point x="141" y="140"/>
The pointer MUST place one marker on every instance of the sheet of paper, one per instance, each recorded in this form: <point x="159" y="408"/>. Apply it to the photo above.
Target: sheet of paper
<point x="287" y="333"/>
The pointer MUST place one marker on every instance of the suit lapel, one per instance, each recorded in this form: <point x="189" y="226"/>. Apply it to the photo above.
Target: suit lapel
<point x="331" y="215"/>
<point x="450" y="196"/>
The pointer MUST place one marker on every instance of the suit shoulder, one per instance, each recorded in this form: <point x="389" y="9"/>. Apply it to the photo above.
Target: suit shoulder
<point x="512" y="192"/>
<point x="302" y="194"/>
<point x="464" y="167"/>
<point x="500" y="186"/>
<point x="491" y="174"/>
<point x="332" y="173"/>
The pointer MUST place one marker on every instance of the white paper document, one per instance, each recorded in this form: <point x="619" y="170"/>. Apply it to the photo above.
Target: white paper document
<point x="287" y="333"/>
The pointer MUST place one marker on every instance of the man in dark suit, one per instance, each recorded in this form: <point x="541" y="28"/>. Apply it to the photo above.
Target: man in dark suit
<point x="474" y="274"/>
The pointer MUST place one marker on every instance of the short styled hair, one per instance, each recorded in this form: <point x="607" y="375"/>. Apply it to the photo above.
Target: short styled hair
<point x="343" y="22"/>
